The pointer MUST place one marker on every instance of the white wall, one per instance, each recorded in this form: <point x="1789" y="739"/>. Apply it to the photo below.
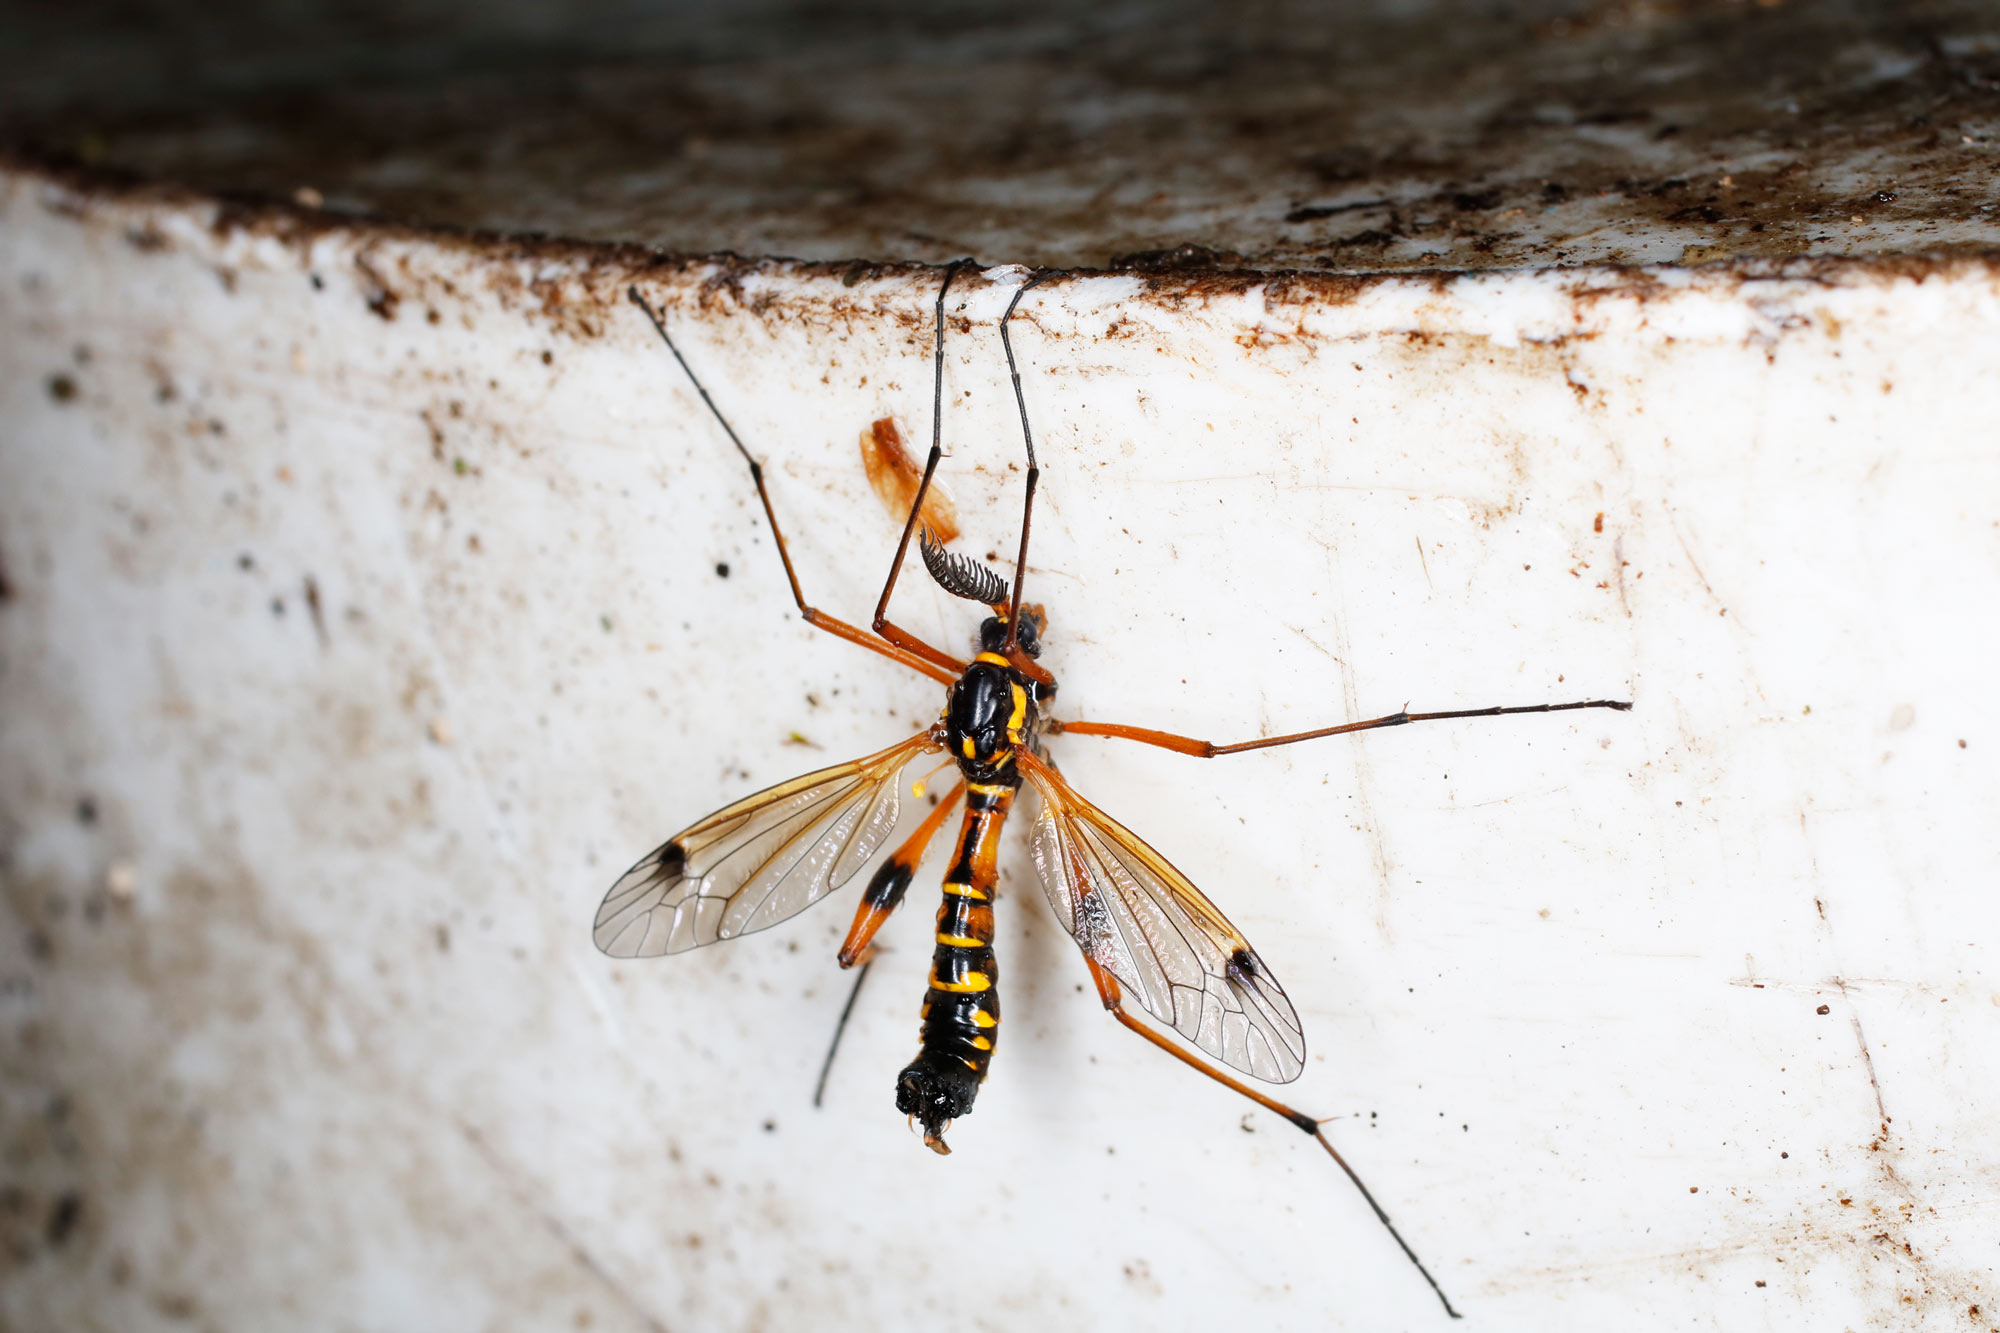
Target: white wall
<point x="307" y="1019"/>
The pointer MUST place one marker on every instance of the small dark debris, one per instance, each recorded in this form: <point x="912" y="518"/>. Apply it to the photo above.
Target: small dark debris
<point x="1179" y="259"/>
<point x="722" y="569"/>
<point x="62" y="387"/>
<point x="1475" y="202"/>
<point x="246" y="561"/>
<point x="770" y="1126"/>
<point x="1696" y="213"/>
<point x="319" y="284"/>
<point x="1555" y="192"/>
<point x="1313" y="213"/>
<point x="1760" y="1281"/>
<point x="443" y="934"/>
<point x="277" y="606"/>
<point x="40" y="946"/>
<point x="1369" y="237"/>
<point x="382" y="299"/>
<point x="86" y="811"/>
<point x="313" y="606"/>
<point x="548" y="357"/>
<point x="1823" y="1009"/>
<point x="63" y="1217"/>
<point x="1885" y="196"/>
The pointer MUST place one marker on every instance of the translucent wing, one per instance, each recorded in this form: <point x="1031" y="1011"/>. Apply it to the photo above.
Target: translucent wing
<point x="1168" y="945"/>
<point x="758" y="862"/>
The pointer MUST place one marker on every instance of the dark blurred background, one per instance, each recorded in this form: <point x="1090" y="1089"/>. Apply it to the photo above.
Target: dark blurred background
<point x="1360" y="136"/>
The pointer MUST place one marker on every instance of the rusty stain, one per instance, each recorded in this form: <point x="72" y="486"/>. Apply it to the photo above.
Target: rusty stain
<point x="894" y="476"/>
<point x="578" y="290"/>
<point x="379" y="295"/>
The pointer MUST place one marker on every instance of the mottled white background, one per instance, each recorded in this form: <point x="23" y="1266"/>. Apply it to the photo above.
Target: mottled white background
<point x="302" y="1023"/>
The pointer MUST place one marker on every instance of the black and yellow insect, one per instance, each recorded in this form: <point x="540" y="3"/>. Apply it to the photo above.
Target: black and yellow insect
<point x="1147" y="933"/>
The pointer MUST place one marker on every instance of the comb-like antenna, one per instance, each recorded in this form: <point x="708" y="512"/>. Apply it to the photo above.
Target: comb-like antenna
<point x="959" y="575"/>
<point x="1034" y="470"/>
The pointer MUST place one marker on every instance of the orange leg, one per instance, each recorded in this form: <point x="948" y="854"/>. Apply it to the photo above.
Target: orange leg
<point x="906" y="649"/>
<point x="1108" y="991"/>
<point x="885" y="890"/>
<point x="1168" y="740"/>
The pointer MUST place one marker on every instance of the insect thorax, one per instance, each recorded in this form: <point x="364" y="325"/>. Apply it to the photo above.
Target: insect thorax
<point x="989" y="712"/>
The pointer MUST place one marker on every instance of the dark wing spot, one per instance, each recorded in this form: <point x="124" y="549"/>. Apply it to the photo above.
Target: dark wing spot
<point x="1243" y="964"/>
<point x="673" y="860"/>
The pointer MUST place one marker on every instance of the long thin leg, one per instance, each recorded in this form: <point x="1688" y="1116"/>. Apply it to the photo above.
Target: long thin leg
<point x="1108" y="991"/>
<point x="1019" y="658"/>
<point x="819" y="1089"/>
<point x="1168" y="740"/>
<point x="883" y="626"/>
<point x="813" y="616"/>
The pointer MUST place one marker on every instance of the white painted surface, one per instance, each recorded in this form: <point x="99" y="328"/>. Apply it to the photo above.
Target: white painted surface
<point x="347" y="1059"/>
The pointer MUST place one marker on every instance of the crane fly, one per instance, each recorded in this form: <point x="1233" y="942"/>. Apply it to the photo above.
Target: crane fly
<point x="1149" y="937"/>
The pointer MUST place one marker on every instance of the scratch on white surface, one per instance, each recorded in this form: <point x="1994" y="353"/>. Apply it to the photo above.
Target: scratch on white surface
<point x="1358" y="753"/>
<point x="1674" y="524"/>
<point x="1316" y="645"/>
<point x="556" y="1227"/>
<point x="1509" y="798"/>
<point x="1867" y="1061"/>
<point x="1618" y="566"/>
<point x="593" y="995"/>
<point x="1882" y="1145"/>
<point x="1836" y="983"/>
<point x="1782" y="1241"/>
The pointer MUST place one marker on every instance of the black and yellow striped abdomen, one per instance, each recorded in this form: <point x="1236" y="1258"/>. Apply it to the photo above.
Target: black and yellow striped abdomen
<point x="961" y="1014"/>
